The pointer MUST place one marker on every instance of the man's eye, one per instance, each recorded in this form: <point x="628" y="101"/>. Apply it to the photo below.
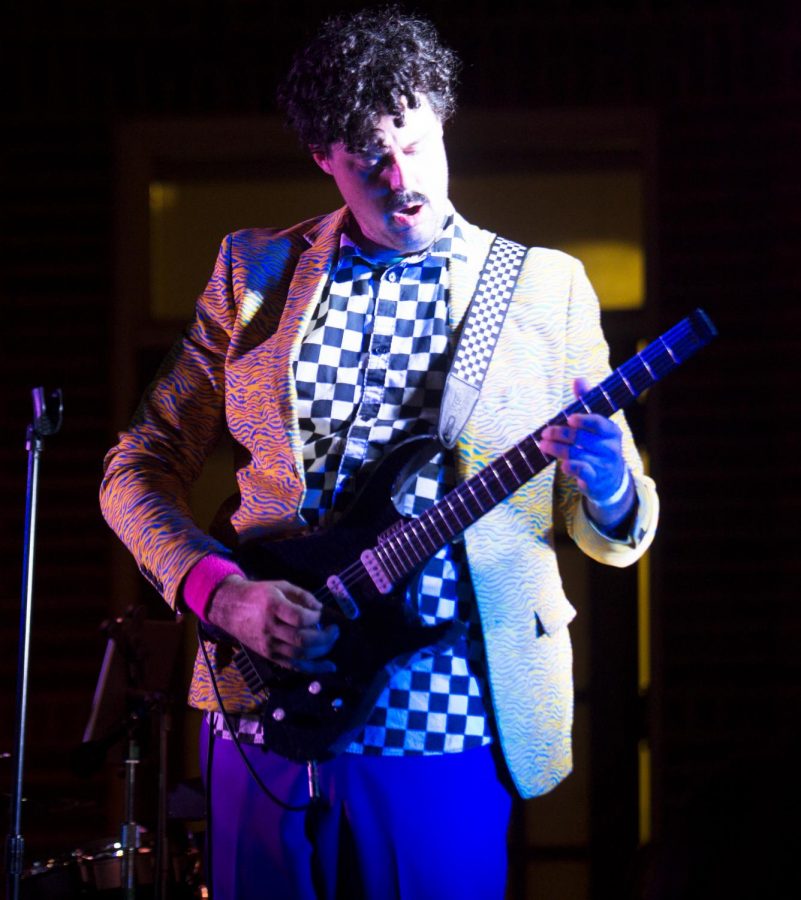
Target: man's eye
<point x="370" y="160"/>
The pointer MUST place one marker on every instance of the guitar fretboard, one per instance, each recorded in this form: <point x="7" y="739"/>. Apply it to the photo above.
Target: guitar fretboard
<point x="410" y="544"/>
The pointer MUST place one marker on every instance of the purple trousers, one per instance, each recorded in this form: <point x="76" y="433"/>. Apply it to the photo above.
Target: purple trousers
<point x="388" y="828"/>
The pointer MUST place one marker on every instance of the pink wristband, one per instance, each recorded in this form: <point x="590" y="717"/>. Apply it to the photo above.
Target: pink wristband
<point x="203" y="580"/>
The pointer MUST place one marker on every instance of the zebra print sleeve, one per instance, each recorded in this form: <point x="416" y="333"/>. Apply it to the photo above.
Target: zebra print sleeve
<point x="147" y="475"/>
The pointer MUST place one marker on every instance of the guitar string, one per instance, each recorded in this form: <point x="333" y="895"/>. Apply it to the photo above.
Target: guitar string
<point x="412" y="542"/>
<point x="635" y="376"/>
<point x="620" y="387"/>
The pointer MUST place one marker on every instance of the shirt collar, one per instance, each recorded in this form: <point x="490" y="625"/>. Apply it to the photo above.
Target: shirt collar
<point x="449" y="244"/>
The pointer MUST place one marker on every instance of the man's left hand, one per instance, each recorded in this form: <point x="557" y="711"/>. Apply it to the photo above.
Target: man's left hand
<point x="590" y="449"/>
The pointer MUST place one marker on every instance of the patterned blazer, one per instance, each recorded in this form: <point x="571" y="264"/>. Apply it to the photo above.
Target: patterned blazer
<point x="232" y="369"/>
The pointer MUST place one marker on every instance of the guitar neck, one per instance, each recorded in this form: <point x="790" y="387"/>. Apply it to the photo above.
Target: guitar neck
<point x="403" y="548"/>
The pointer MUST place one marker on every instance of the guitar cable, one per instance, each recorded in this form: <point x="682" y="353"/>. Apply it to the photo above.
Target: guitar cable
<point x="208" y="855"/>
<point x="235" y="737"/>
<point x="313" y="808"/>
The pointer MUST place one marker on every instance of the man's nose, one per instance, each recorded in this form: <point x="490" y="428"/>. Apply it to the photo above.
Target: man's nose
<point x="399" y="172"/>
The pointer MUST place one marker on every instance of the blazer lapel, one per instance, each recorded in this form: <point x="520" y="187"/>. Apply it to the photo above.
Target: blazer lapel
<point x="305" y="291"/>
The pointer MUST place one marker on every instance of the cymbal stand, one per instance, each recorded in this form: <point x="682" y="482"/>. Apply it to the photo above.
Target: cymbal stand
<point x="129" y="838"/>
<point x="162" y="840"/>
<point x="47" y="418"/>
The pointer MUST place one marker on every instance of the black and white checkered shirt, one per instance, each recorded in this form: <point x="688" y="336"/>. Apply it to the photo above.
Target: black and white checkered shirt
<point x="370" y="373"/>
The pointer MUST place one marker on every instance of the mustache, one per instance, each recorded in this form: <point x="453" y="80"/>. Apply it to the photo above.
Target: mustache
<point x="402" y="199"/>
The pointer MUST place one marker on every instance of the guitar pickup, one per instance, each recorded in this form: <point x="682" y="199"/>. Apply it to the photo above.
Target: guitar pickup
<point x="376" y="571"/>
<point x="346" y="603"/>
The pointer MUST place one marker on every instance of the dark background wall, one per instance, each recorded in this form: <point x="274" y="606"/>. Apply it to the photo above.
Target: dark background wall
<point x="723" y="81"/>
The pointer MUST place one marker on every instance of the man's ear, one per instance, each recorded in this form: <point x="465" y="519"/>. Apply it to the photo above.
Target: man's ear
<point x="321" y="158"/>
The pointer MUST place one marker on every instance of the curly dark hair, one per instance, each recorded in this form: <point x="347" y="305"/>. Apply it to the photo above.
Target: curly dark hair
<point x="361" y="67"/>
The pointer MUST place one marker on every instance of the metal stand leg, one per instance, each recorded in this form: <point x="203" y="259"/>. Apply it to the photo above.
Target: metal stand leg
<point x="162" y="841"/>
<point x="130" y="832"/>
<point x="47" y="414"/>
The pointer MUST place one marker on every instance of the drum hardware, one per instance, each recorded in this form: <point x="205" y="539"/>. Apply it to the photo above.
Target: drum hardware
<point x="135" y="680"/>
<point x="95" y="869"/>
<point x="134" y="686"/>
<point x="56" y="878"/>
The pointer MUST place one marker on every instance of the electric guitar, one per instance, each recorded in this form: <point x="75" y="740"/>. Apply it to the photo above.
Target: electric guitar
<point x="359" y="567"/>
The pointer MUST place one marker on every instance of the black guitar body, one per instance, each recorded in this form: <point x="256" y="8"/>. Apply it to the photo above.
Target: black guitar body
<point x="359" y="568"/>
<point x="316" y="716"/>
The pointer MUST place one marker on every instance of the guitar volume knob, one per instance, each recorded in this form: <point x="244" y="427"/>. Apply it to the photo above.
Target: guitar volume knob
<point x="279" y="714"/>
<point x="315" y="687"/>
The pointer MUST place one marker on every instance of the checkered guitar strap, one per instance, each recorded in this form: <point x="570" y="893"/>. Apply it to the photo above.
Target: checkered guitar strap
<point x="482" y="326"/>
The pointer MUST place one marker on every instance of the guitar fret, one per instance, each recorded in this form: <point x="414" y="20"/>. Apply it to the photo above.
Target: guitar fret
<point x="612" y="406"/>
<point x="670" y="352"/>
<point x="447" y="501"/>
<point x="468" y="501"/>
<point x="496" y="471"/>
<point x="405" y="554"/>
<point x="387" y="559"/>
<point x="482" y="480"/>
<point x="512" y="469"/>
<point x="395" y="567"/>
<point x="411" y="552"/>
<point x="639" y="377"/>
<point x="419" y="534"/>
<point x="469" y="487"/>
<point x="424" y="525"/>
<point x="658" y="363"/>
<point x="617" y="389"/>
<point x="529" y="447"/>
<point x="525" y="459"/>
<point x="586" y="403"/>
<point x="427" y="542"/>
<point x="460" y="493"/>
<point x="444" y="538"/>
<point x="426" y="545"/>
<point x="451" y="520"/>
<point x="645" y="363"/>
<point x="662" y="364"/>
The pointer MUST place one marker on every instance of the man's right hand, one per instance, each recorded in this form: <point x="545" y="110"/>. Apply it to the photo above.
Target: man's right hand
<point x="275" y="619"/>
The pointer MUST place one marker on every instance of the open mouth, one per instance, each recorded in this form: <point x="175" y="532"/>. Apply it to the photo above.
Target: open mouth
<point x="406" y="214"/>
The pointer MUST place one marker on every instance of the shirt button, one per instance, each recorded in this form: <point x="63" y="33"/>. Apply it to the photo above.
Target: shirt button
<point x="391" y="276"/>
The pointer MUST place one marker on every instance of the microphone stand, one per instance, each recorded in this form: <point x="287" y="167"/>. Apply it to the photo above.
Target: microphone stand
<point x="47" y="417"/>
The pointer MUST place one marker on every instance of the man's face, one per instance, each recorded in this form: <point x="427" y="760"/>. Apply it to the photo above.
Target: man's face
<point x="396" y="189"/>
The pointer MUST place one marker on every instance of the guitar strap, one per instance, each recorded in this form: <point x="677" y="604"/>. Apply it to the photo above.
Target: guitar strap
<point x="482" y="326"/>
